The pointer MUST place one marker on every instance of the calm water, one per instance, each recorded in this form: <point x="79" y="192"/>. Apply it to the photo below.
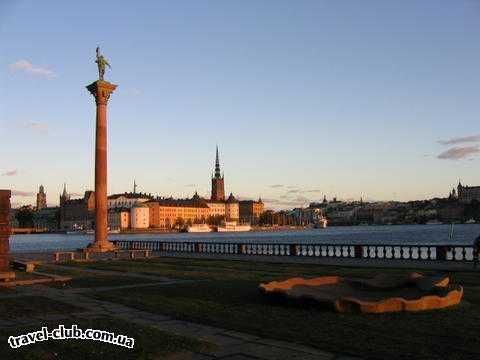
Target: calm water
<point x="399" y="234"/>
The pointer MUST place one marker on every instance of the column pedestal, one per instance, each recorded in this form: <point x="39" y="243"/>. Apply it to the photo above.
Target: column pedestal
<point x="6" y="273"/>
<point x="101" y="90"/>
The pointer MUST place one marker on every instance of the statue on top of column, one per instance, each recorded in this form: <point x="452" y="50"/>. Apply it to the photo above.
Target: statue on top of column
<point x="101" y="62"/>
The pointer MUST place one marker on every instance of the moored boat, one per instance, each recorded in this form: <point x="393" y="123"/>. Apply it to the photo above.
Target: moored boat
<point x="199" y="228"/>
<point x="232" y="226"/>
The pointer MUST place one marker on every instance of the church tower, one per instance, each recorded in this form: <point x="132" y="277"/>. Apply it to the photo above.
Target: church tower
<point x="41" y="198"/>
<point x="64" y="196"/>
<point x="218" y="185"/>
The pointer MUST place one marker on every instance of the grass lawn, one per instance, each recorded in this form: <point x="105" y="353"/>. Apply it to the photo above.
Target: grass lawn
<point x="84" y="279"/>
<point x="231" y="300"/>
<point x="27" y="306"/>
<point x="181" y="268"/>
<point x="150" y="343"/>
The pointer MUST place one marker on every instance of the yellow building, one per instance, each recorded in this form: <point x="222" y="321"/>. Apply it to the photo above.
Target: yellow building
<point x="167" y="213"/>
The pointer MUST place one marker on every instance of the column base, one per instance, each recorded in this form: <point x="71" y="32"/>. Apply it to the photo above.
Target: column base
<point x="6" y="276"/>
<point x="100" y="247"/>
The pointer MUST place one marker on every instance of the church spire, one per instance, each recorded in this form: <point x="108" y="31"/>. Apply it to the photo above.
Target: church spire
<point x="217" y="166"/>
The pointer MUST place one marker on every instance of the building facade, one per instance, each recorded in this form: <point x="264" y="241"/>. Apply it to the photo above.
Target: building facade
<point x="466" y="194"/>
<point x="127" y="200"/>
<point x="139" y="217"/>
<point x="41" y="198"/>
<point x="169" y="213"/>
<point x="77" y="214"/>
<point x="47" y="218"/>
<point x="250" y="211"/>
<point x="119" y="218"/>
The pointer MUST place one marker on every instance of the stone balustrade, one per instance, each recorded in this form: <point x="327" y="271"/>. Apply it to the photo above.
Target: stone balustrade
<point x="346" y="251"/>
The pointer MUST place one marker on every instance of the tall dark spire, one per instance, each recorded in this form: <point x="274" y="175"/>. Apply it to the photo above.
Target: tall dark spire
<point x="217" y="166"/>
<point x="218" y="186"/>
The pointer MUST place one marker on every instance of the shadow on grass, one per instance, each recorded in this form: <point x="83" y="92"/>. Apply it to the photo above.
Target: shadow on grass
<point x="150" y="343"/>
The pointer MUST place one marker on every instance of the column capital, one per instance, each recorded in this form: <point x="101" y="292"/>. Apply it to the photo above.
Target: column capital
<point x="101" y="91"/>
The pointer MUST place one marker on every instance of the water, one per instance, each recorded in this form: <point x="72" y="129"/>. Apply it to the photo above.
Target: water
<point x="463" y="234"/>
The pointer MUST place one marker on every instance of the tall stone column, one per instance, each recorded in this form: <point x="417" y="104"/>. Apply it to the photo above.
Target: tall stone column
<point x="5" y="271"/>
<point x="101" y="90"/>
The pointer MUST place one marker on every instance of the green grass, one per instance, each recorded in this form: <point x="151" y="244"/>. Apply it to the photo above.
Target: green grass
<point x="27" y="306"/>
<point x="84" y="279"/>
<point x="231" y="300"/>
<point x="181" y="268"/>
<point x="150" y="343"/>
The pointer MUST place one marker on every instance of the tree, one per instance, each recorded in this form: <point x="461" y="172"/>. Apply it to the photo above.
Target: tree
<point x="472" y="210"/>
<point x="25" y="217"/>
<point x="179" y="223"/>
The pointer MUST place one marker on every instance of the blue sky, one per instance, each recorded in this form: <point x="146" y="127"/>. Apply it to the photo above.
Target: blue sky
<point x="378" y="99"/>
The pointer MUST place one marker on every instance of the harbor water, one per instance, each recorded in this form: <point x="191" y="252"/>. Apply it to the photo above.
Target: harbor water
<point x="462" y="234"/>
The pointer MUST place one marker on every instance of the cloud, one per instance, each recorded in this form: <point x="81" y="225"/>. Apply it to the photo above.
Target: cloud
<point x="458" y="153"/>
<point x="461" y="140"/>
<point x="288" y="204"/>
<point x="190" y="185"/>
<point x="22" y="193"/>
<point x="39" y="127"/>
<point x="300" y="200"/>
<point x="314" y="191"/>
<point x="28" y="67"/>
<point x="293" y="191"/>
<point x="10" y="172"/>
<point x="276" y="186"/>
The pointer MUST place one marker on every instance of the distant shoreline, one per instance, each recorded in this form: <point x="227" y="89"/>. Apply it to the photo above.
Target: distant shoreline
<point x="254" y="229"/>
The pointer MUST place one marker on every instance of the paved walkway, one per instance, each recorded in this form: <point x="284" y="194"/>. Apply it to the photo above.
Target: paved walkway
<point x="231" y="345"/>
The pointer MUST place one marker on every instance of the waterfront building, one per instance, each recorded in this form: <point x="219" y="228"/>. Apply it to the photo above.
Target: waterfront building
<point x="217" y="208"/>
<point x="76" y="214"/>
<point x="41" y="198"/>
<point x="250" y="211"/>
<point x="168" y="213"/>
<point x="47" y="218"/>
<point x="466" y="194"/>
<point x="232" y="209"/>
<point x="139" y="216"/>
<point x="127" y="200"/>
<point x="119" y="218"/>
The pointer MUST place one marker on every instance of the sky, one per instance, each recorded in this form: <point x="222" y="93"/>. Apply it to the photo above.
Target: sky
<point x="373" y="99"/>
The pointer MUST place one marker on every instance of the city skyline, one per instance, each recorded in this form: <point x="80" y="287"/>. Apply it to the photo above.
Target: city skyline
<point x="384" y="109"/>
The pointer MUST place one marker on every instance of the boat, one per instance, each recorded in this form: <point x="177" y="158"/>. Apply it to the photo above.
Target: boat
<point x="434" y="222"/>
<point x="232" y="226"/>
<point x="199" y="228"/>
<point x="321" y="223"/>
<point x="470" y="221"/>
